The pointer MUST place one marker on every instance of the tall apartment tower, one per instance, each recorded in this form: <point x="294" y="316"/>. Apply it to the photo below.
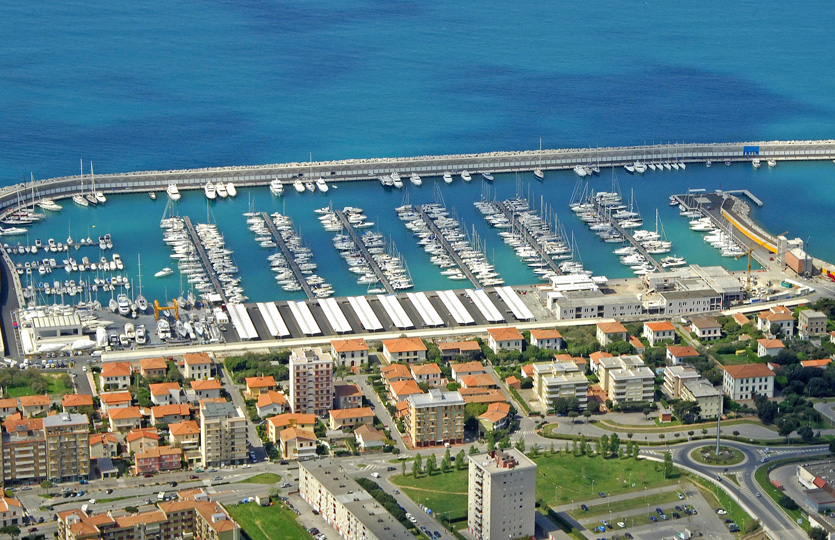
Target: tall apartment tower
<point x="223" y="438"/>
<point x="311" y="381"/>
<point x="502" y="490"/>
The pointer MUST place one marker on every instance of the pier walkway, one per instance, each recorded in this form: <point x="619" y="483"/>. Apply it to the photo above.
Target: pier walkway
<point x="627" y="236"/>
<point x="530" y="240"/>
<point x="448" y="248"/>
<point x="288" y="255"/>
<point x="364" y="250"/>
<point x="204" y="258"/>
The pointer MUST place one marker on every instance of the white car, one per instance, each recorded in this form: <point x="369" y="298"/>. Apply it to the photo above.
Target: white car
<point x="92" y="501"/>
<point x="721" y="512"/>
<point x="621" y="524"/>
<point x="413" y="519"/>
<point x="375" y="474"/>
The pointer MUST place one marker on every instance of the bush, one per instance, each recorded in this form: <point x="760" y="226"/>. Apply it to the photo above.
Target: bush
<point x="387" y="501"/>
<point x="787" y="502"/>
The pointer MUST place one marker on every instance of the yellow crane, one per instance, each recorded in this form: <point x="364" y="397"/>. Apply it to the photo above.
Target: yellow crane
<point x="747" y="253"/>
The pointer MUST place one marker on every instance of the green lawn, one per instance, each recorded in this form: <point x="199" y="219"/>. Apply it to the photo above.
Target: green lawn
<point x="55" y="387"/>
<point x="263" y="478"/>
<point x="707" y="455"/>
<point x="716" y="498"/>
<point x="267" y="522"/>
<point x="440" y="492"/>
<point x="654" y="500"/>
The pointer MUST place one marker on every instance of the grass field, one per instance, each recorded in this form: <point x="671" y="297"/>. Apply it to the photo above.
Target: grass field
<point x="707" y="455"/>
<point x="55" y="387"/>
<point x="440" y="492"/>
<point x="267" y="522"/>
<point x="263" y="478"/>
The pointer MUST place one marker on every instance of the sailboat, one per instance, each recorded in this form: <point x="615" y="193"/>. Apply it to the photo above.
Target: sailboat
<point x="540" y="175"/>
<point x="141" y="302"/>
<point x="100" y="198"/>
<point x="79" y="198"/>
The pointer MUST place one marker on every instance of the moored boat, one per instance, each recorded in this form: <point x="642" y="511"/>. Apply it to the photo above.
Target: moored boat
<point x="209" y="190"/>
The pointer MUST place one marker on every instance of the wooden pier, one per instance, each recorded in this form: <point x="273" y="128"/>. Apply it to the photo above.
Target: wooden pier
<point x="448" y="248"/>
<point x="530" y="240"/>
<point x="204" y="258"/>
<point x="288" y="255"/>
<point x="364" y="250"/>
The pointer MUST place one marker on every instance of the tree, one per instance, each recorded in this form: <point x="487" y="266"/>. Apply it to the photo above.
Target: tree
<point x="669" y="469"/>
<point x="604" y="446"/>
<point x="687" y="411"/>
<point x="785" y="501"/>
<point x="646" y="411"/>
<point x="785" y="426"/>
<point x="431" y="465"/>
<point x="46" y="484"/>
<point x="614" y="444"/>
<point x="417" y="466"/>
<point x="403" y="468"/>
<point x="445" y="465"/>
<point x="11" y="530"/>
<point x="520" y="444"/>
<point x="806" y="433"/>
<point x="460" y="460"/>
<point x="504" y="443"/>
<point x="573" y="415"/>
<point x="131" y="510"/>
<point x="473" y="450"/>
<point x="816" y="533"/>
<point x="635" y="450"/>
<point x="832" y="447"/>
<point x="587" y="414"/>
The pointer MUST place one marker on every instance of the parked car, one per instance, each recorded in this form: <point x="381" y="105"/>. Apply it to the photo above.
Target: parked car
<point x="653" y="519"/>
<point x="193" y="477"/>
<point x="584" y="507"/>
<point x="216" y="478"/>
<point x="601" y="494"/>
<point x="108" y="491"/>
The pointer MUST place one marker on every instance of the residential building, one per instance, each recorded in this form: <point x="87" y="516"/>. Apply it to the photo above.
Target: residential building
<point x="680" y="302"/>
<point x="740" y="319"/>
<point x="482" y="395"/>
<point x="609" y="332"/>
<point x="369" y="437"/>
<point x="347" y="396"/>
<point x="223" y="437"/>
<point x="769" y="347"/>
<point x="459" y="349"/>
<point x="346" y="506"/>
<point x="552" y="380"/>
<point x="75" y="402"/>
<point x="311" y="381"/>
<point x="114" y="376"/>
<point x="34" y="405"/>
<point x="255" y="386"/>
<point x="67" y="447"/>
<point x="404" y="350"/>
<point x="206" y="389"/>
<point x="811" y="323"/>
<point x="142" y="440"/>
<point x="547" y="339"/>
<point x="501" y="495"/>
<point x="636" y="343"/>
<point x="349" y="352"/>
<point x="706" y="328"/>
<point x="124" y="419"/>
<point x="776" y="315"/>
<point x="822" y="363"/>
<point x="197" y="366"/>
<point x="677" y="354"/>
<point x="427" y="373"/>
<point x="403" y="389"/>
<point x="676" y="376"/>
<point x="466" y="368"/>
<point x="507" y="338"/>
<point x="24" y="450"/>
<point x="436" y="417"/>
<point x="297" y="443"/>
<point x="186" y="435"/>
<point x="271" y="403"/>
<point x="705" y="394"/>
<point x="741" y="382"/>
<point x="496" y="417"/>
<point x="513" y="382"/>
<point x="153" y="367"/>
<point x="11" y="512"/>
<point x="277" y="424"/>
<point x="104" y="445"/>
<point x="114" y="400"/>
<point x="626" y="378"/>
<point x="160" y="459"/>
<point x="170" y="414"/>
<point x="393" y="373"/>
<point x="165" y="393"/>
<point x="8" y="407"/>
<point x="479" y="380"/>
<point x="342" y="418"/>
<point x="656" y="332"/>
<point x="595" y="359"/>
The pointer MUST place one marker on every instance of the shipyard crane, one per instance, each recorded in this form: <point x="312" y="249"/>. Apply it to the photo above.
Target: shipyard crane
<point x="748" y="253"/>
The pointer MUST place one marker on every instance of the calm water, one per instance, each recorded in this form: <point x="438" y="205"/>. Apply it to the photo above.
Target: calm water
<point x="160" y="85"/>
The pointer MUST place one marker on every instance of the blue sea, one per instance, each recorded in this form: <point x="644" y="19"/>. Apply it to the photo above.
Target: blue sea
<point x="163" y="85"/>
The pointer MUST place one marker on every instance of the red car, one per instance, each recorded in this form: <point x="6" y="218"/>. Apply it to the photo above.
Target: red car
<point x="193" y="477"/>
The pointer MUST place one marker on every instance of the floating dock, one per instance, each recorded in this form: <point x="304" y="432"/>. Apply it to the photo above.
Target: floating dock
<point x="364" y="250"/>
<point x="448" y="248"/>
<point x="204" y="258"/>
<point x="627" y="236"/>
<point x="530" y="240"/>
<point x="288" y="255"/>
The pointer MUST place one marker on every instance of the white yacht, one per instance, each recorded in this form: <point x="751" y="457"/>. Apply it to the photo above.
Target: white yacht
<point x="322" y="185"/>
<point x="639" y="167"/>
<point x="580" y="171"/>
<point x="395" y="180"/>
<point x="415" y="178"/>
<point x="220" y="188"/>
<point x="123" y="304"/>
<point x="465" y="176"/>
<point x="772" y="162"/>
<point x="755" y="163"/>
<point x="310" y="186"/>
<point x="49" y="204"/>
<point x="299" y="186"/>
<point x="141" y="335"/>
<point x="277" y="188"/>
<point x="209" y="190"/>
<point x="231" y="190"/>
<point x="164" y="272"/>
<point x="448" y="177"/>
<point x="489" y="177"/>
<point x="100" y="198"/>
<point x="629" y="167"/>
<point x="173" y="192"/>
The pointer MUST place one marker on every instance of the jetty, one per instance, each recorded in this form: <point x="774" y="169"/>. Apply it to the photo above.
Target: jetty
<point x="204" y="258"/>
<point x="626" y="235"/>
<point x="530" y="240"/>
<point x="352" y="232"/>
<point x="288" y="256"/>
<point x="448" y="248"/>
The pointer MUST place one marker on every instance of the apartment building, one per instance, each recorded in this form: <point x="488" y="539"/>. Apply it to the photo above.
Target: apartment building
<point x="678" y="354"/>
<point x="255" y="386"/>
<point x="33" y="405"/>
<point x="114" y="400"/>
<point x="11" y="512"/>
<point x="197" y="366"/>
<point x="741" y="382"/>
<point x="705" y="394"/>
<point x="507" y="338"/>
<point x="435" y="418"/>
<point x="501" y="495"/>
<point x="297" y="443"/>
<point x="159" y="459"/>
<point x="676" y="376"/>
<point x="811" y="323"/>
<point x="706" y="328"/>
<point x="67" y="446"/>
<point x="223" y="437"/>
<point x="124" y="419"/>
<point x="428" y="373"/>
<point x="170" y="414"/>
<point x="345" y="505"/>
<point x="311" y="381"/>
<point x="104" y="445"/>
<point x="404" y="350"/>
<point x="769" y="347"/>
<point x="626" y="378"/>
<point x="349" y="352"/>
<point x="277" y="424"/>
<point x="459" y="349"/>
<point x="342" y="418"/>
<point x="207" y="389"/>
<point x="186" y="435"/>
<point x="141" y="440"/>
<point x="24" y="450"/>
<point x="76" y="402"/>
<point x="271" y="403"/>
<point x="552" y="380"/>
<point x="465" y="369"/>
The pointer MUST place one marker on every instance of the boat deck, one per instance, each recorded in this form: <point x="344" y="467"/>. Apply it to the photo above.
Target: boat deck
<point x="530" y="240"/>
<point x="204" y="258"/>
<point x="364" y="250"/>
<point x="288" y="255"/>
<point x="448" y="248"/>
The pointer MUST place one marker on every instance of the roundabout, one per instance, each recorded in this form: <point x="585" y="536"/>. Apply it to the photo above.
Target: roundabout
<point x="727" y="456"/>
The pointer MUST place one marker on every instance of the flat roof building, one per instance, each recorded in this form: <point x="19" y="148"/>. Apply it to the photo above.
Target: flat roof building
<point x="501" y="495"/>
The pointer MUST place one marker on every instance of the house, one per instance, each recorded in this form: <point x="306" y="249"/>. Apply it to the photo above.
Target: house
<point x="8" y="407"/>
<point x="165" y="393"/>
<point x="609" y="332"/>
<point x="637" y="344"/>
<point x="513" y="382"/>
<point x="206" y="389"/>
<point x="159" y="459"/>
<point x="817" y="363"/>
<point x="170" y="414"/>
<point x="141" y="440"/>
<point x="124" y="419"/>
<point x="186" y="435"/>
<point x="480" y="394"/>
<point x="832" y="337"/>
<point x="114" y="376"/>
<point x="256" y="385"/>
<point x="73" y="402"/>
<point x="402" y="389"/>
<point x="742" y="381"/>
<point x="678" y="354"/>
<point x="153" y="367"/>
<point x="740" y="319"/>
<point x="104" y="445"/>
<point x="706" y="328"/>
<point x="547" y="339"/>
<point x="776" y="315"/>
<point x="811" y="323"/>
<point x="197" y="366"/>
<point x="283" y="421"/>
<point x="369" y="437"/>
<point x="297" y="443"/>
<point x="349" y="352"/>
<point x="114" y="400"/>
<point x="769" y="347"/>
<point x="342" y="418"/>
<point x="656" y="332"/>
<point x="596" y="357"/>
<point x="32" y="405"/>
<point x="11" y="512"/>
<point x="507" y="338"/>
<point x="395" y="373"/>
<point x="428" y="373"/>
<point x="479" y="380"/>
<point x="527" y="371"/>
<point x="462" y="349"/>
<point x="347" y="396"/>
<point x="466" y="368"/>
<point x="496" y="417"/>
<point x="271" y="403"/>
<point x="404" y="350"/>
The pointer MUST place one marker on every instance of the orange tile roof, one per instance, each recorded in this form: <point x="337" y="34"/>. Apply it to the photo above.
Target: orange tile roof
<point x="161" y="411"/>
<point x="400" y="345"/>
<point x="681" y="352"/>
<point x="144" y="433"/>
<point x="114" y="398"/>
<point x="527" y="370"/>
<point x="16" y="421"/>
<point x="368" y="433"/>
<point x="545" y="334"/>
<point x="77" y="400"/>
<point x="292" y="419"/>
<point x="6" y="503"/>
<point x="402" y="406"/>
<point x="159" y="451"/>
<point x="745" y="371"/>
<point x="346" y="390"/>
<point x="10" y="403"/>
<point x="155" y="516"/>
<point x="771" y="343"/>
<point x="208" y="509"/>
<point x="512" y="380"/>
<point x="460" y="345"/>
<point x="660" y="326"/>
<point x="163" y="388"/>
<point x="260" y="382"/>
<point x="481" y="395"/>
<point x="359" y="412"/>
<point x="103" y="437"/>
<point x="740" y="319"/>
<point x="775" y="316"/>
<point x="596" y="356"/>
<point x="115" y="369"/>
<point x="153" y="363"/>
<point x="208" y="384"/>
<point x="189" y="427"/>
<point x="500" y="407"/>
<point x="393" y="371"/>
<point x="197" y="358"/>
<point x="637" y="343"/>
<point x="479" y="379"/>
<point x="34" y="401"/>
<point x="426" y="369"/>
<point x="493" y="416"/>
<point x="467" y="367"/>
<point x="212" y="400"/>
<point x="124" y="413"/>
<point x="401" y="389"/>
<point x="505" y="334"/>
<point x="816" y="363"/>
<point x="349" y="345"/>
<point x="611" y="328"/>
<point x="297" y="433"/>
<point x="271" y="397"/>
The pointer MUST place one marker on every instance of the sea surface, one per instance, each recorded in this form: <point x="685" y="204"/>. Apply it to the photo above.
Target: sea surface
<point x="164" y="85"/>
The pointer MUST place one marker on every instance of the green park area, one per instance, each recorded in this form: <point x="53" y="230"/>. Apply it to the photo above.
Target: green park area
<point x="263" y="478"/>
<point x="30" y="382"/>
<point x="267" y="522"/>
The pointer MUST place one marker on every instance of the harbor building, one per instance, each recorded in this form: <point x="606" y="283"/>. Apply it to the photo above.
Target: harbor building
<point x="713" y="284"/>
<point x="501" y="495"/>
<point x="349" y="352"/>
<point x="311" y="381"/>
<point x="222" y="434"/>
<point x="593" y="304"/>
<point x="345" y="505"/>
<point x="741" y="382"/>
<point x="436" y="417"/>
<point x="811" y="323"/>
<point x="49" y="332"/>
<point x="552" y="380"/>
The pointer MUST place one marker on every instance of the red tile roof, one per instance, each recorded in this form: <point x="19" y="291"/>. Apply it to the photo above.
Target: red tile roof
<point x="745" y="371"/>
<point x="545" y="333"/>
<point x="505" y="334"/>
<point x="660" y="326"/>
<point x="682" y="352"/>
<point x="611" y="328"/>
<point x="400" y="345"/>
<point x="349" y="345"/>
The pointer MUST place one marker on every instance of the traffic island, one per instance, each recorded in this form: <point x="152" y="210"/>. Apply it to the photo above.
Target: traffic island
<point x="706" y="455"/>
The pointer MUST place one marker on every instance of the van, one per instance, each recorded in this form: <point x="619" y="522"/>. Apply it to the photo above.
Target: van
<point x="161" y="496"/>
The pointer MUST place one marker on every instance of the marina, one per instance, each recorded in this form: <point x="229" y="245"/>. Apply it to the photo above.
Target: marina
<point x="366" y="255"/>
<point x="206" y="262"/>
<point x="440" y="238"/>
<point x="289" y="258"/>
